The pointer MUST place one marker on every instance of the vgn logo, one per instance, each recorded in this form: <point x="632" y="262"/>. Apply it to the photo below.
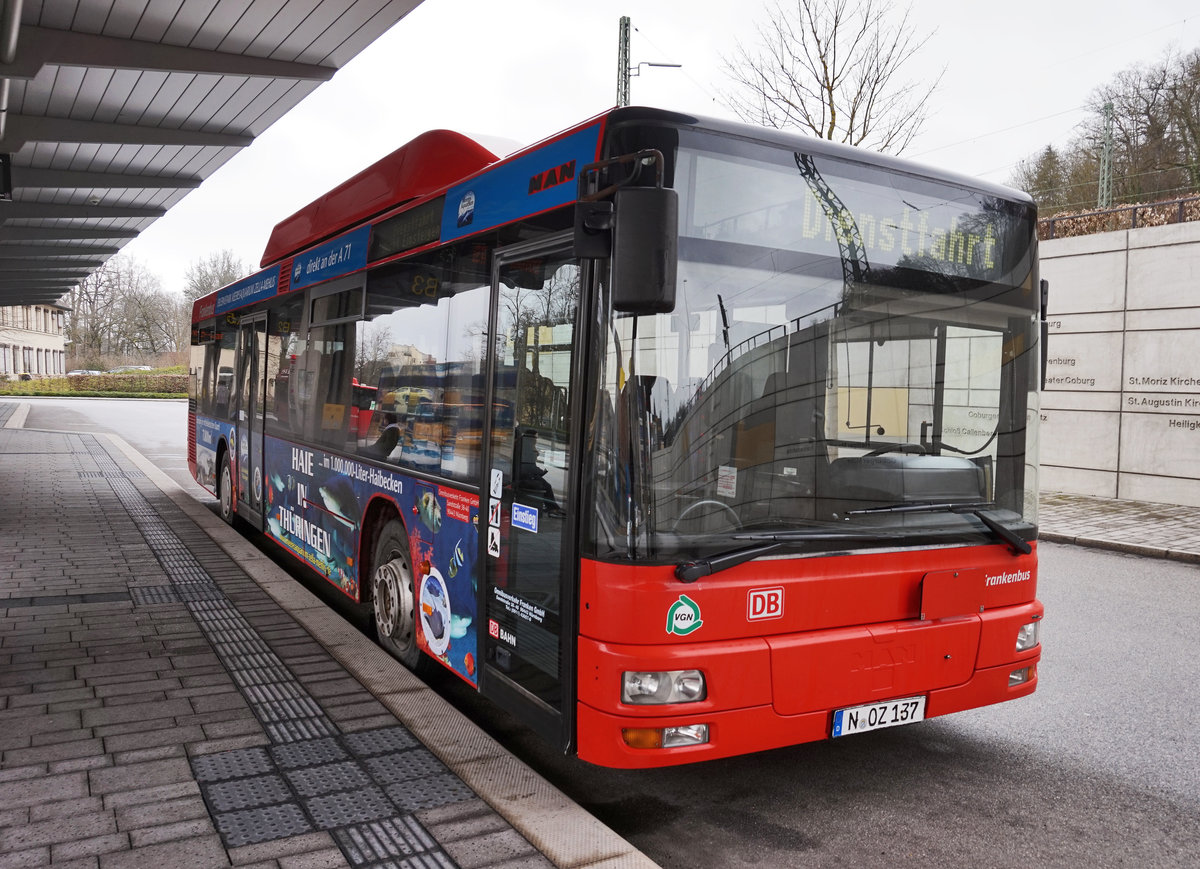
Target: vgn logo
<point x="683" y="617"/>
<point x="764" y="603"/>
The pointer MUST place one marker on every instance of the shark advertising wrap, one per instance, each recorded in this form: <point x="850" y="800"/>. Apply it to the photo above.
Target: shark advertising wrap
<point x="314" y="505"/>
<point x="209" y="433"/>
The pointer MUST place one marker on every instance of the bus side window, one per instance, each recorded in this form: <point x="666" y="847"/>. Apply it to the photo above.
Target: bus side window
<point x="284" y="343"/>
<point x="324" y="396"/>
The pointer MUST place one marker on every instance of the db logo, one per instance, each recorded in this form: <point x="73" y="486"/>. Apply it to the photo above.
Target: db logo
<point x="764" y="603"/>
<point x="494" y="629"/>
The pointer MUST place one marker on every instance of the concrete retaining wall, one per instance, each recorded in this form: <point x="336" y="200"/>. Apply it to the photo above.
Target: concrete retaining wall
<point x="1121" y="410"/>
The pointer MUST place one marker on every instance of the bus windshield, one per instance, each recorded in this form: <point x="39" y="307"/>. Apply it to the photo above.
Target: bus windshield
<point x="851" y="349"/>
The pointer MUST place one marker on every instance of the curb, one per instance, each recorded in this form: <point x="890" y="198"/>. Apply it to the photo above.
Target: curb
<point x="1182" y="555"/>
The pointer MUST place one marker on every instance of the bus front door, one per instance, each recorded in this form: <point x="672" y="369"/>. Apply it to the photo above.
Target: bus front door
<point x="531" y="552"/>
<point x="252" y="347"/>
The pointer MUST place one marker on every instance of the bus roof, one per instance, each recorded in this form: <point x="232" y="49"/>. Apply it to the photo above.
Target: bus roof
<point x="442" y="160"/>
<point x="429" y="162"/>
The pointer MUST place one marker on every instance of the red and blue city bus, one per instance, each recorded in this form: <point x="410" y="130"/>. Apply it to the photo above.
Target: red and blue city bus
<point x="686" y="439"/>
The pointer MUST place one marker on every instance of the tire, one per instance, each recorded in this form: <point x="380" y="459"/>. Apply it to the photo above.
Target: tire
<point x="393" y="597"/>
<point x="225" y="490"/>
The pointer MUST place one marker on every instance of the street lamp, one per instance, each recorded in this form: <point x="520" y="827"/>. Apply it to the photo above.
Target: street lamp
<point x="624" y="70"/>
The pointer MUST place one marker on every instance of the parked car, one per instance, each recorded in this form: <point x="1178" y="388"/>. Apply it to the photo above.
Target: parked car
<point x="123" y="368"/>
<point x="82" y="371"/>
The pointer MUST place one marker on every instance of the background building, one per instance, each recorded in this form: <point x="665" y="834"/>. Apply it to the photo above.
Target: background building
<point x="32" y="341"/>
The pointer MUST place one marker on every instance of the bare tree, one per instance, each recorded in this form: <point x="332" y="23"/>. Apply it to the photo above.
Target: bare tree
<point x="89" y="324"/>
<point x="834" y="67"/>
<point x="1183" y="113"/>
<point x="121" y="310"/>
<point x="211" y="273"/>
<point x="373" y="353"/>
<point x="1156" y="140"/>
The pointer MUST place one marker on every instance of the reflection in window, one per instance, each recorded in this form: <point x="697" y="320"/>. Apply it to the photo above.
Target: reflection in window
<point x="285" y="343"/>
<point x="322" y="389"/>
<point x="419" y="365"/>
<point x="216" y="383"/>
<point x="337" y="306"/>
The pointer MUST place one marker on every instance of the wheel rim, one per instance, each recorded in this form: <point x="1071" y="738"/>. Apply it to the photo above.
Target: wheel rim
<point x="394" y="602"/>
<point x="226" y="490"/>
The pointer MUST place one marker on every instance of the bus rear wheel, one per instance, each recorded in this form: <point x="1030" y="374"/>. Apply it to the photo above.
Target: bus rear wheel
<point x="394" y="596"/>
<point x="225" y="490"/>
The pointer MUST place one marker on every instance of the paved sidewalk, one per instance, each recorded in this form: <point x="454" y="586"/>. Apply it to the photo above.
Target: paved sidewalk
<point x="169" y="698"/>
<point x="1154" y="530"/>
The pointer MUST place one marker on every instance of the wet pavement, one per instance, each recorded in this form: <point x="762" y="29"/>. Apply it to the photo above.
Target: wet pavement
<point x="171" y="698"/>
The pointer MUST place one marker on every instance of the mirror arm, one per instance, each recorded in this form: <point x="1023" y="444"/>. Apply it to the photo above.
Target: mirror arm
<point x="638" y="159"/>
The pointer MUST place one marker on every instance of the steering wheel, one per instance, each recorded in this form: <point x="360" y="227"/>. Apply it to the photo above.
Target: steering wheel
<point x="735" y="521"/>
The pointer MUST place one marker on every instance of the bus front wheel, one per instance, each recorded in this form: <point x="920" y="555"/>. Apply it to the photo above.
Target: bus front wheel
<point x="394" y="596"/>
<point x="225" y="490"/>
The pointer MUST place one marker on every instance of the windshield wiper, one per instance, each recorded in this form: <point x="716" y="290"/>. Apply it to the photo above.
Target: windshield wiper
<point x="1019" y="546"/>
<point x="765" y="543"/>
<point x="690" y="571"/>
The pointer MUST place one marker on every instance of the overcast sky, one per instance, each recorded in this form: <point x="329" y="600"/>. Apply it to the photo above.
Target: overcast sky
<point x="511" y="72"/>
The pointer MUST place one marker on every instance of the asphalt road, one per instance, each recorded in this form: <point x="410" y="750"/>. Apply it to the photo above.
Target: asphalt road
<point x="157" y="428"/>
<point x="1101" y="767"/>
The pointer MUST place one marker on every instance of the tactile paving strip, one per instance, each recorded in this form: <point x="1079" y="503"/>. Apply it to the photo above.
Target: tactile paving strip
<point x="327" y="779"/>
<point x="294" y="731"/>
<point x="405" y="765"/>
<point x="231" y="764"/>
<point x="350" y="807"/>
<point x="245" y="793"/>
<point x="371" y="742"/>
<point x="383" y="840"/>
<point x="252" y="826"/>
<point x="310" y="753"/>
<point x="361" y="786"/>
<point x="429" y="792"/>
<point x="149" y="595"/>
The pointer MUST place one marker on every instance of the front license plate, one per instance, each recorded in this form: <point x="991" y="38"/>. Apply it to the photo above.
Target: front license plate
<point x="873" y="716"/>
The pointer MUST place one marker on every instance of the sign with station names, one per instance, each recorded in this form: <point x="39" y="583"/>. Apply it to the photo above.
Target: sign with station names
<point x="1121" y="408"/>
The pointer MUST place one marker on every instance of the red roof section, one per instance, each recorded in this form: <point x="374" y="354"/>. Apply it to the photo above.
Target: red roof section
<point x="428" y="163"/>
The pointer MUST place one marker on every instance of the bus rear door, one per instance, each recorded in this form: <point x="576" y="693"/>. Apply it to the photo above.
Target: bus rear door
<point x="252" y="347"/>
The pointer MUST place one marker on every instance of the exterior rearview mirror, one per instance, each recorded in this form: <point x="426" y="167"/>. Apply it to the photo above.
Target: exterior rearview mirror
<point x="645" y="249"/>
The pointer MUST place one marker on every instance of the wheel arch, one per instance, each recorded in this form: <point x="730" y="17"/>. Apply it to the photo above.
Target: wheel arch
<point x="379" y="511"/>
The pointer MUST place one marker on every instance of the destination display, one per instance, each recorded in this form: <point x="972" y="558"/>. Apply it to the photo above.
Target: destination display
<point x="813" y="204"/>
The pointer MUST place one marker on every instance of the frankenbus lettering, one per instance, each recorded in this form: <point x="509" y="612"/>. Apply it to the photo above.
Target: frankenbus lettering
<point x="1007" y="578"/>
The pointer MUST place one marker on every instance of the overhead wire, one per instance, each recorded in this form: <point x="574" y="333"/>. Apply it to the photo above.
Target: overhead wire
<point x="1178" y="23"/>
<point x="1182" y="22"/>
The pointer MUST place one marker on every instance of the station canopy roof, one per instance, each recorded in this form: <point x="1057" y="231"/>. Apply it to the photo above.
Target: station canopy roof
<point x="111" y="111"/>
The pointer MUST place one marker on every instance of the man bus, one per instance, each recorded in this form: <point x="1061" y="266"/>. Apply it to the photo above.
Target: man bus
<point x="708" y="438"/>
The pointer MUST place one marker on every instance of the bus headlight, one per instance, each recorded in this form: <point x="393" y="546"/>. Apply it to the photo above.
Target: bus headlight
<point x="1027" y="636"/>
<point x="670" y="686"/>
<point x="665" y="737"/>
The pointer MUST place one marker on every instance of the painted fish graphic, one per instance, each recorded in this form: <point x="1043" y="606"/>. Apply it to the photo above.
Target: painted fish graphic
<point x="430" y="512"/>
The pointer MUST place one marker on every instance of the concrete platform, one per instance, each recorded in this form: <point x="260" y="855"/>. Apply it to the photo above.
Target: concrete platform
<point x="170" y="698"/>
